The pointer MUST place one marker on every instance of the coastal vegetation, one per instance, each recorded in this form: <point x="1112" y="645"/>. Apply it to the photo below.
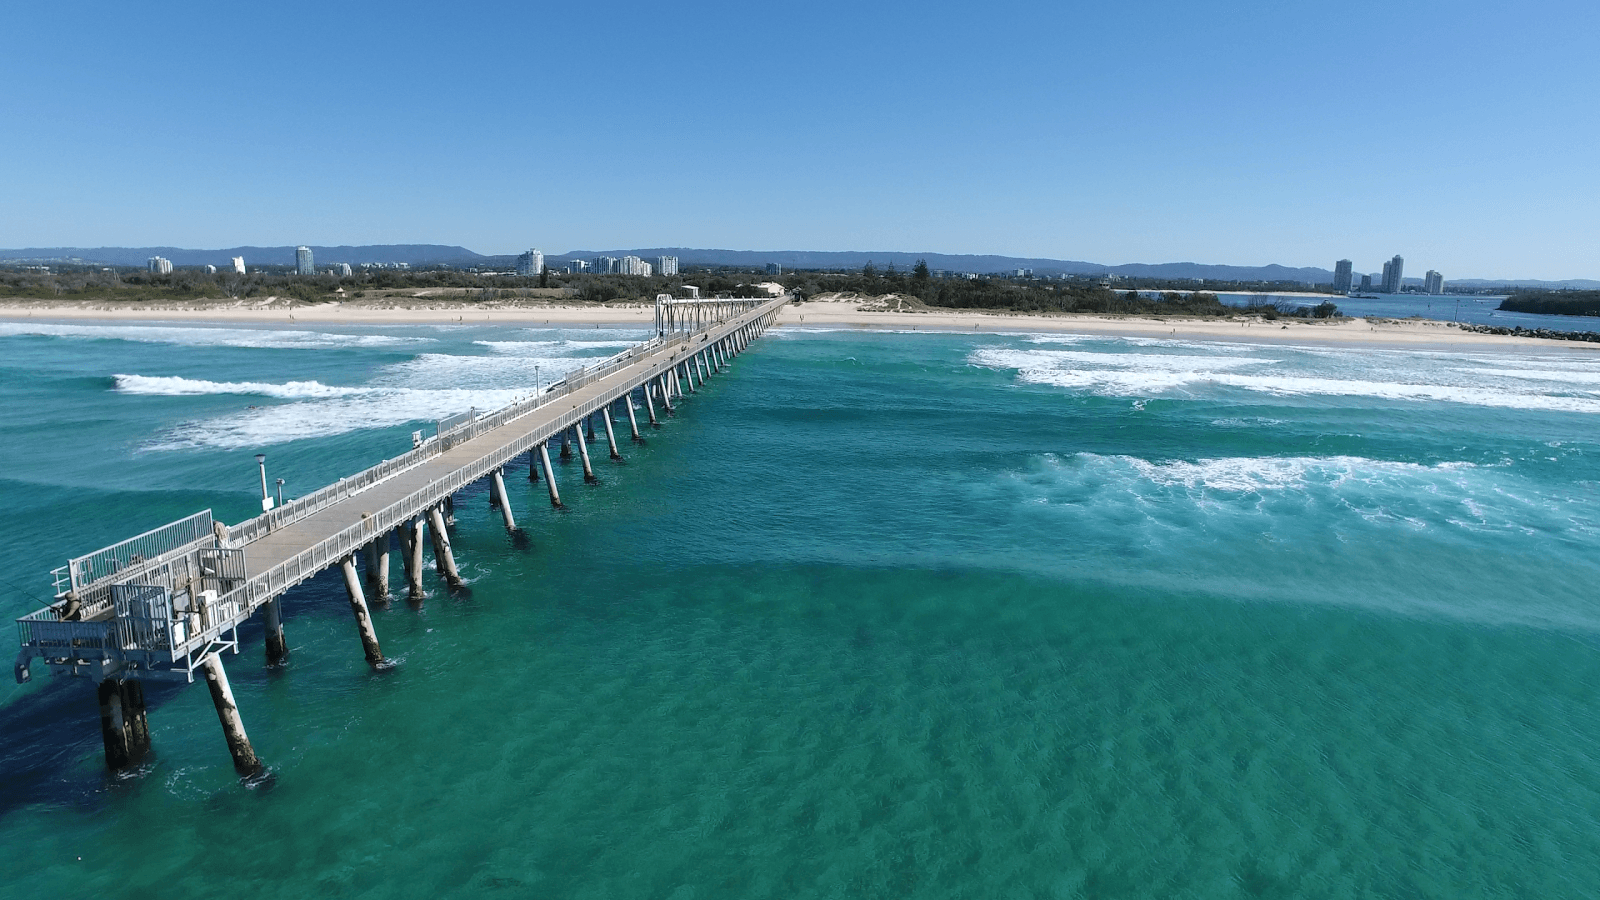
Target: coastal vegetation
<point x="1554" y="303"/>
<point x="917" y="287"/>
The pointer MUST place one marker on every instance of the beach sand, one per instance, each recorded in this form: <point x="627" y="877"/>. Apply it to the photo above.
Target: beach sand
<point x="1418" y="333"/>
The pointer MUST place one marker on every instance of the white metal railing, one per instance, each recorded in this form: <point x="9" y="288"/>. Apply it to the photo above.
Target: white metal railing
<point x="250" y="596"/>
<point x="169" y="636"/>
<point x="139" y="550"/>
<point x="469" y="427"/>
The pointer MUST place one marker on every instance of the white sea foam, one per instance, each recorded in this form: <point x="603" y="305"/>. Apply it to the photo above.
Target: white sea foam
<point x="1559" y="377"/>
<point x="1251" y="474"/>
<point x="172" y="386"/>
<point x="1347" y="374"/>
<point x="546" y="348"/>
<point x="374" y="408"/>
<point x="270" y="338"/>
<point x="446" y="371"/>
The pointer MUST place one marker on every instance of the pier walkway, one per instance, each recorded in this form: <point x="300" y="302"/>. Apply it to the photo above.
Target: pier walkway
<point x="169" y="603"/>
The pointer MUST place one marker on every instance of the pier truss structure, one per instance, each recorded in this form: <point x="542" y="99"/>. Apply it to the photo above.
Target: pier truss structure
<point x="167" y="604"/>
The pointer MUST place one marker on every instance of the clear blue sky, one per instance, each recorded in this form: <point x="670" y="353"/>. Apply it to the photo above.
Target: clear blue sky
<point x="1463" y="135"/>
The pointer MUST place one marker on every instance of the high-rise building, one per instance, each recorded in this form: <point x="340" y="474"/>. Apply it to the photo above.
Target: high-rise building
<point x="342" y="270"/>
<point x="1341" y="276"/>
<point x="666" y="265"/>
<point x="1433" y="282"/>
<point x="530" y="263"/>
<point x="576" y="266"/>
<point x="1393" y="272"/>
<point x="303" y="264"/>
<point x="644" y="268"/>
<point x="1366" y="283"/>
<point x="238" y="265"/>
<point x="211" y="270"/>
<point x="629" y="265"/>
<point x="160" y="265"/>
<point x="605" y="265"/>
<point x="774" y="269"/>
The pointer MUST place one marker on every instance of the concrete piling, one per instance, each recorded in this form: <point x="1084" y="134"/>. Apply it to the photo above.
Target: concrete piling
<point x="505" y="502"/>
<point x="272" y="618"/>
<point x="650" y="404"/>
<point x="566" y="444"/>
<point x="245" y="761"/>
<point x="124" y="727"/>
<point x="533" y="466"/>
<point x="588" y="425"/>
<point x="666" y="396"/>
<point x="410" y="537"/>
<point x="377" y="557"/>
<point x="450" y="510"/>
<point x="583" y="450"/>
<point x="633" y="421"/>
<point x="549" y="475"/>
<point x="611" y="434"/>
<point x="358" y="608"/>
<point x="443" y="557"/>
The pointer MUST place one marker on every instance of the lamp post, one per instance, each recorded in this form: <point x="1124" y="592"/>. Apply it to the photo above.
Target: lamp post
<point x="280" y="491"/>
<point x="266" y="501"/>
<point x="536" y="391"/>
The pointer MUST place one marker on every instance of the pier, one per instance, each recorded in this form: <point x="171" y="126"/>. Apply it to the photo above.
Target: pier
<point x="168" y="604"/>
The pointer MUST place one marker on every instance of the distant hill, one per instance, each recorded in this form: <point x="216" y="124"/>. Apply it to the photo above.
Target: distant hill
<point x="415" y="254"/>
<point x="816" y="259"/>
<point x="1571" y="284"/>
<point x="440" y="254"/>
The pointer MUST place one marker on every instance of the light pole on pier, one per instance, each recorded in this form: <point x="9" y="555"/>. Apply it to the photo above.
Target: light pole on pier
<point x="280" y="491"/>
<point x="266" y="500"/>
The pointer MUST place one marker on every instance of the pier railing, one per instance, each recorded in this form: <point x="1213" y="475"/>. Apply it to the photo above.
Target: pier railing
<point x="453" y="431"/>
<point x="136" y="551"/>
<point x="168" y="597"/>
<point x="249" y="597"/>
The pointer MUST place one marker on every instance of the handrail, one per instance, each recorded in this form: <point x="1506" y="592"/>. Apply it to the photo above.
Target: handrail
<point x="293" y="511"/>
<point x="119" y="637"/>
<point x="249" y="597"/>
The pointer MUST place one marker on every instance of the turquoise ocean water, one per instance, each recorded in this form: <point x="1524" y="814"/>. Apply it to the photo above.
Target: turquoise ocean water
<point x="876" y="615"/>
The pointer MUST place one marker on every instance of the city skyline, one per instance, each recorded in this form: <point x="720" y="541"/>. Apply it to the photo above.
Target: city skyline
<point x="1240" y="158"/>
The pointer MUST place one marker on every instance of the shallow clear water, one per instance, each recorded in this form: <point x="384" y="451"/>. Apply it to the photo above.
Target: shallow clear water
<point x="876" y="614"/>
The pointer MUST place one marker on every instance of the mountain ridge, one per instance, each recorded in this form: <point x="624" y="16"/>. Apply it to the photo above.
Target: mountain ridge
<point x="447" y="254"/>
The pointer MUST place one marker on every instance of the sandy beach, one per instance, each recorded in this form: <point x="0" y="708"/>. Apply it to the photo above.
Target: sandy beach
<point x="1417" y="333"/>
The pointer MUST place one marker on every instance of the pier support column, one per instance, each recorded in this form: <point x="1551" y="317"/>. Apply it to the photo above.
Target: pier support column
<point x="566" y="444"/>
<point x="650" y="404"/>
<point x="410" y="535"/>
<point x="611" y="434"/>
<point x="588" y="425"/>
<point x="450" y="510"/>
<point x="377" y="554"/>
<point x="583" y="450"/>
<point x="443" y="558"/>
<point x="272" y="618"/>
<point x="666" y="396"/>
<point x="533" y="466"/>
<point x="358" y="607"/>
<point x="245" y="761"/>
<point x="549" y="476"/>
<point x="633" y="420"/>
<point x="123" y="725"/>
<point x="688" y="379"/>
<point x="505" y="501"/>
